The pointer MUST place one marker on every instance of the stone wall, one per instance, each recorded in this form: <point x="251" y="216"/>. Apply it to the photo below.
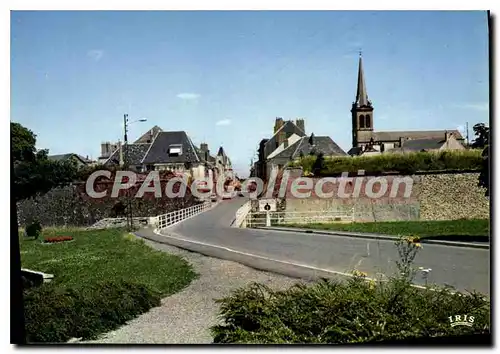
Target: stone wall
<point x="432" y="197"/>
<point x="452" y="197"/>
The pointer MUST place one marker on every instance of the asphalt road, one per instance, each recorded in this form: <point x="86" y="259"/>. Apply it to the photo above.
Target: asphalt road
<point x="462" y="268"/>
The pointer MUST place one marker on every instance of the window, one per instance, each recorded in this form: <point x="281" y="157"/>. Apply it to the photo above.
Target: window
<point x="175" y="150"/>
<point x="368" y="122"/>
<point x="362" y="121"/>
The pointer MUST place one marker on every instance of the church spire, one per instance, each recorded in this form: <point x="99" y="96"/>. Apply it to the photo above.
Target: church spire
<point x="361" y="95"/>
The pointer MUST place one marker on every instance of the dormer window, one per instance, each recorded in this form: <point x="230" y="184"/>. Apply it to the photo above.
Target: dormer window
<point x="175" y="150"/>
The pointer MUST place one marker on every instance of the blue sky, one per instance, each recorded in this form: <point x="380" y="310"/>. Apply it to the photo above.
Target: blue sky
<point x="223" y="77"/>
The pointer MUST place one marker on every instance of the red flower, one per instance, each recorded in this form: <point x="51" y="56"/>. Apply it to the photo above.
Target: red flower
<point x="58" y="239"/>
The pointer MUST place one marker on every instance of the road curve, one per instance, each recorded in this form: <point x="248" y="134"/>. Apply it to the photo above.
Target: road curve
<point x="462" y="268"/>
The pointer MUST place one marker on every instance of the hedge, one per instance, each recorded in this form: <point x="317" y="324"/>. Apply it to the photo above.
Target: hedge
<point x="56" y="314"/>
<point x="359" y="310"/>
<point x="71" y="206"/>
<point x="356" y="311"/>
<point x="407" y="163"/>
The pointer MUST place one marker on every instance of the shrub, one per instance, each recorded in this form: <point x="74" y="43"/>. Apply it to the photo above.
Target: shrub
<point x="34" y="229"/>
<point x="353" y="311"/>
<point x="55" y="314"/>
<point x="407" y="163"/>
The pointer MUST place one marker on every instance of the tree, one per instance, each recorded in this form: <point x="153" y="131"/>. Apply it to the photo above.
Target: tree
<point x="319" y="164"/>
<point x="33" y="171"/>
<point x="482" y="133"/>
<point x="484" y="176"/>
<point x="23" y="143"/>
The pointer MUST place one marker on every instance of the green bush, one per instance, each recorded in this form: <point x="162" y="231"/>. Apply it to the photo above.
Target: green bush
<point x="34" y="229"/>
<point x="56" y="314"/>
<point x="354" y="311"/>
<point x="407" y="163"/>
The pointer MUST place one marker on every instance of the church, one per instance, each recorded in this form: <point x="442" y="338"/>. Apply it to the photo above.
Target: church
<point x="365" y="140"/>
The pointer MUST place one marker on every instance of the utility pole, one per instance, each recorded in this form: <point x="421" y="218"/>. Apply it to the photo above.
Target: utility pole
<point x="130" y="222"/>
<point x="130" y="215"/>
<point x="467" y="133"/>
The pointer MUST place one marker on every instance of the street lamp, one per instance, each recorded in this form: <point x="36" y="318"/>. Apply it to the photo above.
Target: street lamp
<point x="130" y="222"/>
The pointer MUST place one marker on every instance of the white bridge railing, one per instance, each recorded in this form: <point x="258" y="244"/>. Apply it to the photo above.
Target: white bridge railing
<point x="169" y="219"/>
<point x="241" y="215"/>
<point x="303" y="217"/>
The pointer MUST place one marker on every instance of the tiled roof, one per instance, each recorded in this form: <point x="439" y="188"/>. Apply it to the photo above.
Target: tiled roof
<point x="417" y="134"/>
<point x="158" y="153"/>
<point x="136" y="153"/>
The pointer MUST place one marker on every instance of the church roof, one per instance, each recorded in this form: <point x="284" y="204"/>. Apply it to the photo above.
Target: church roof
<point x="415" y="134"/>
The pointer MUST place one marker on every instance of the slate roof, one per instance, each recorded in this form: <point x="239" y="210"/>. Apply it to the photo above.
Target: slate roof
<point x="158" y="152"/>
<point x="225" y="159"/>
<point x="420" y="144"/>
<point x="136" y="153"/>
<point x="290" y="128"/>
<point x="64" y="157"/>
<point x="147" y="136"/>
<point x="323" y="144"/>
<point x="201" y="155"/>
<point x="355" y="151"/>
<point x="417" y="134"/>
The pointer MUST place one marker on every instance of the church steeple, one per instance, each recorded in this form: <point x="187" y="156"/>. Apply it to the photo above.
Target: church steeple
<point x="362" y="112"/>
<point x="361" y="95"/>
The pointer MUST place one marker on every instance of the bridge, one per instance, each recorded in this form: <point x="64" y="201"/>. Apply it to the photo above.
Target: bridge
<point x="207" y="229"/>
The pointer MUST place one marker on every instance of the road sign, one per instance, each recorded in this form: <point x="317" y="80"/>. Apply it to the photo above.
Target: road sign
<point x="267" y="205"/>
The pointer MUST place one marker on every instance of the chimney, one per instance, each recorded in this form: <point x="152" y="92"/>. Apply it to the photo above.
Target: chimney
<point x="278" y="124"/>
<point x="103" y="149"/>
<point x="151" y="136"/>
<point x="203" y="147"/>
<point x="300" y="124"/>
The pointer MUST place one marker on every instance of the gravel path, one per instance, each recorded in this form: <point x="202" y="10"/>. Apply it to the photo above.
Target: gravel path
<point x="185" y="317"/>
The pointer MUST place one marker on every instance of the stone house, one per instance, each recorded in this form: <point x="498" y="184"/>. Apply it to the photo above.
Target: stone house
<point x="159" y="150"/>
<point x="288" y="144"/>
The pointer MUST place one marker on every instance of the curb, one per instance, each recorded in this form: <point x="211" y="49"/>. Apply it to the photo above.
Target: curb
<point x="302" y="271"/>
<point x="373" y="236"/>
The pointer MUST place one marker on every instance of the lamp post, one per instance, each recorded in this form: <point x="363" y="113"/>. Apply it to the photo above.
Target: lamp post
<point x="130" y="220"/>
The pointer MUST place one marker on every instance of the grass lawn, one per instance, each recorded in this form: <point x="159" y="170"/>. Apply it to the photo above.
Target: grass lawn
<point x="98" y="255"/>
<point x="102" y="279"/>
<point x="446" y="229"/>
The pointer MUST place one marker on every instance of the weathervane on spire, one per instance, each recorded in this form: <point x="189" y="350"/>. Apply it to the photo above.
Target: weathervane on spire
<point x="360" y="52"/>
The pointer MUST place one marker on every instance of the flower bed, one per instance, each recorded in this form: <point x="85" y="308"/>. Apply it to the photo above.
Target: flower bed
<point x="58" y="239"/>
